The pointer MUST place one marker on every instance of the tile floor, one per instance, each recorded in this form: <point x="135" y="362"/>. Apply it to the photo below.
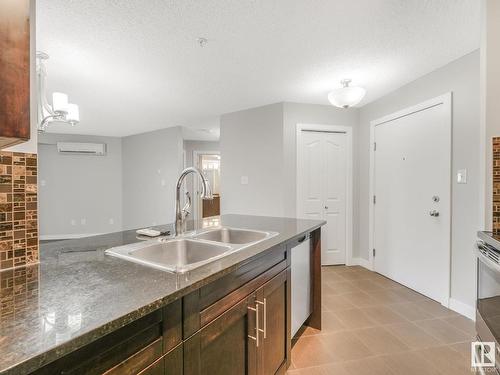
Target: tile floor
<point x="375" y="326"/>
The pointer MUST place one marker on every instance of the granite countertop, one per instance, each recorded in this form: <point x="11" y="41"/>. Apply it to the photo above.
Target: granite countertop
<point x="78" y="294"/>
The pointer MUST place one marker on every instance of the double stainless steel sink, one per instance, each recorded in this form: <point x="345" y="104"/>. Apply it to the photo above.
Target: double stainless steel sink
<point x="182" y="254"/>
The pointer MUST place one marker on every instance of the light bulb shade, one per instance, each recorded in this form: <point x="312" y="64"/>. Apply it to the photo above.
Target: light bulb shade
<point x="73" y="115"/>
<point x="346" y="97"/>
<point x="60" y="102"/>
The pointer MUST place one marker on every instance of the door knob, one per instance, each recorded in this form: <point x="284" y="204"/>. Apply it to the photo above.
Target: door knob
<point x="326" y="207"/>
<point x="434" y="213"/>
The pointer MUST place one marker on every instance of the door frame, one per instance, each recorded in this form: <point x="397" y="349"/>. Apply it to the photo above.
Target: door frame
<point x="196" y="163"/>
<point x="349" y="176"/>
<point x="446" y="101"/>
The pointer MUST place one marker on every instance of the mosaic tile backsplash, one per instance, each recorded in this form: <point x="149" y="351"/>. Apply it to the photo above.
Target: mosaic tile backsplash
<point x="18" y="292"/>
<point x="18" y="209"/>
<point x="496" y="184"/>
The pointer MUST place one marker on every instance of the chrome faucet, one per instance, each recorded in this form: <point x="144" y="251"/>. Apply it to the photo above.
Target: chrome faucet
<point x="206" y="193"/>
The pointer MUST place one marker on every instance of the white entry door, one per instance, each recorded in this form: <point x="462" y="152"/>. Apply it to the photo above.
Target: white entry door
<point x="322" y="187"/>
<point x="412" y="161"/>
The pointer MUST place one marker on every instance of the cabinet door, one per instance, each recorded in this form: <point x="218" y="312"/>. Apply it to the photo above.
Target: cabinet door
<point x="14" y="72"/>
<point x="274" y="301"/>
<point x="227" y="345"/>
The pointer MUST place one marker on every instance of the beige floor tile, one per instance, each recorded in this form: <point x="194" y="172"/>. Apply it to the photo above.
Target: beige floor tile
<point x="331" y="278"/>
<point x="380" y="340"/>
<point x="435" y="309"/>
<point x="354" y="318"/>
<point x="367" y="285"/>
<point x="344" y="346"/>
<point x="410" y="311"/>
<point x="383" y="315"/>
<point x="384" y="282"/>
<point x="387" y="296"/>
<point x="327" y="289"/>
<point x="413" y="336"/>
<point x="341" y="287"/>
<point x="410" y="295"/>
<point x="335" y="303"/>
<point x="368" y="366"/>
<point x="329" y="323"/>
<point x="355" y="275"/>
<point x="409" y="363"/>
<point x="463" y="348"/>
<point x="443" y="331"/>
<point x="375" y="326"/>
<point x="360" y="299"/>
<point x="446" y="360"/>
<point x="310" y="351"/>
<point x="330" y="369"/>
<point x="462" y="323"/>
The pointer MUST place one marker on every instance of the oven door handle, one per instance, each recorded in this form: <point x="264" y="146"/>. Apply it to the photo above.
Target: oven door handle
<point x="484" y="259"/>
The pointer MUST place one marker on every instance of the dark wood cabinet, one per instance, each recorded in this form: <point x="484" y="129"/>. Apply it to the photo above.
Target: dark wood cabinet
<point x="274" y="300"/>
<point x="250" y="338"/>
<point x="227" y="345"/>
<point x="14" y="72"/>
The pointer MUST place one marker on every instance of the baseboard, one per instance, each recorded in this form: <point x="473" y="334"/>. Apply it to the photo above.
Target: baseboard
<point x="462" y="308"/>
<point x="52" y="237"/>
<point x="360" y="262"/>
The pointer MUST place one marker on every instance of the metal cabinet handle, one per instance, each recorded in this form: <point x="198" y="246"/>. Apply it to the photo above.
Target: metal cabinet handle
<point x="264" y="331"/>
<point x="256" y="337"/>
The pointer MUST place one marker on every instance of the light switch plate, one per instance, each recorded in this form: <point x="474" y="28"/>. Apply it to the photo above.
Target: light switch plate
<point x="244" y="180"/>
<point x="462" y="176"/>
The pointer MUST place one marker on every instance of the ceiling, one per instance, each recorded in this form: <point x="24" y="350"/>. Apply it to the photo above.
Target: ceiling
<point x="135" y="66"/>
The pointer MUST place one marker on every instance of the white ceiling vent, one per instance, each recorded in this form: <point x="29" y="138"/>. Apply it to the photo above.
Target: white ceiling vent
<point x="98" y="149"/>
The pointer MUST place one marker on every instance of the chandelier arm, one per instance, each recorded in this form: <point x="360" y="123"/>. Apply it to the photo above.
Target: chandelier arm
<point x="47" y="119"/>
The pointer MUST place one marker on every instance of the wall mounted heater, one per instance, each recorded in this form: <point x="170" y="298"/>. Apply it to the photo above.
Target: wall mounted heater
<point x="97" y="149"/>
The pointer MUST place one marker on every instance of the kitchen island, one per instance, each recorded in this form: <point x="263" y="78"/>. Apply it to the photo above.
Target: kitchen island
<point x="81" y="310"/>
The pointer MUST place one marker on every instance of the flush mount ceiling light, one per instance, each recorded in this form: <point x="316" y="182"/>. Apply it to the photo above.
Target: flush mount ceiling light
<point x="346" y="96"/>
<point x="60" y="110"/>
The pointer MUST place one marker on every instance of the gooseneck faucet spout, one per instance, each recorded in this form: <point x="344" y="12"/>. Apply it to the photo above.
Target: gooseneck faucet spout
<point x="206" y="193"/>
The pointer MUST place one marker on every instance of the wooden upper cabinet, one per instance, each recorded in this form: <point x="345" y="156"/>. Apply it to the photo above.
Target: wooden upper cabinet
<point x="14" y="72"/>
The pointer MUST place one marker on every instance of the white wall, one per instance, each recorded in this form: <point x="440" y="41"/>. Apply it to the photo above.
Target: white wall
<point x="490" y="94"/>
<point x="251" y="144"/>
<point x="151" y="164"/>
<point x="73" y="188"/>
<point x="461" y="77"/>
<point x="261" y="143"/>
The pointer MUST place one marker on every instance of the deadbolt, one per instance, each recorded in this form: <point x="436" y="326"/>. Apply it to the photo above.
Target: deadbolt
<point x="434" y="213"/>
<point x="435" y="198"/>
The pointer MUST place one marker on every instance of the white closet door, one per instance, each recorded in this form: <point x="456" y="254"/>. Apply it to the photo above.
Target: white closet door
<point x="321" y="188"/>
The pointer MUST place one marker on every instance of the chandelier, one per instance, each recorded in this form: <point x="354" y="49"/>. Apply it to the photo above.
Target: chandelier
<point x="60" y="111"/>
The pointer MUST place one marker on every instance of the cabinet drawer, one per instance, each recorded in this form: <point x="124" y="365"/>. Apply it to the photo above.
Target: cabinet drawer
<point x="170" y="364"/>
<point x="208" y="302"/>
<point x="127" y="350"/>
<point x="139" y="360"/>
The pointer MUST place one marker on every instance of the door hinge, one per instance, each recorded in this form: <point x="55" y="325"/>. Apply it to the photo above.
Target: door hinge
<point x="374" y="146"/>
<point x="373" y="253"/>
<point x="374" y="199"/>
